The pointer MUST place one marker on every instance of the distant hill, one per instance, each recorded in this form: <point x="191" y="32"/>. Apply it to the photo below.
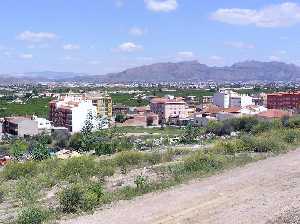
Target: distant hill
<point x="181" y="71"/>
<point x="194" y="71"/>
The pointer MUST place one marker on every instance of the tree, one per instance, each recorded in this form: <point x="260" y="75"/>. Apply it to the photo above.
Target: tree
<point x="39" y="151"/>
<point x="18" y="148"/>
<point x="190" y="134"/>
<point x="88" y="124"/>
<point x="120" y="118"/>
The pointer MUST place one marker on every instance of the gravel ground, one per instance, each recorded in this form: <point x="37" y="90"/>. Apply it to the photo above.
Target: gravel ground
<point x="267" y="191"/>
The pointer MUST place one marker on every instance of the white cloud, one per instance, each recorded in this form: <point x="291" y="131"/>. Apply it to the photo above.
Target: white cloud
<point x="129" y="47"/>
<point x="71" y="47"/>
<point x="136" y="31"/>
<point x="240" y="45"/>
<point x="26" y="56"/>
<point x="185" y="55"/>
<point x="161" y="5"/>
<point x="277" y="15"/>
<point x="36" y="37"/>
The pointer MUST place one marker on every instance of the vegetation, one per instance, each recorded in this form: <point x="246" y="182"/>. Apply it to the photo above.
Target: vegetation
<point x="82" y="182"/>
<point x="37" y="106"/>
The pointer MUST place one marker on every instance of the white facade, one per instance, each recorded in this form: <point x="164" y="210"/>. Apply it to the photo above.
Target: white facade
<point x="228" y="98"/>
<point x="221" y="99"/>
<point x="202" y="121"/>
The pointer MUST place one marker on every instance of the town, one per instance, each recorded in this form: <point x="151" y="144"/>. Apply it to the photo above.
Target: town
<point x="149" y="112"/>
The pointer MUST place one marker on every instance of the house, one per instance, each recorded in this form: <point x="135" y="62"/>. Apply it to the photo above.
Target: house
<point x="72" y="112"/>
<point x="140" y="120"/>
<point x="272" y="114"/>
<point x="168" y="107"/>
<point x="228" y="98"/>
<point x="20" y="126"/>
<point x="202" y="119"/>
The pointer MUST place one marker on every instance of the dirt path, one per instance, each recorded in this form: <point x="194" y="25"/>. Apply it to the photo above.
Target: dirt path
<point x="257" y="193"/>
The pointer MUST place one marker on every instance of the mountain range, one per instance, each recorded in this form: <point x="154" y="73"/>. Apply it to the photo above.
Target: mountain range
<point x="180" y="71"/>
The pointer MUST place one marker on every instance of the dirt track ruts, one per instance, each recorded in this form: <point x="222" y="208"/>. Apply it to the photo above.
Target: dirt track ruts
<point x="257" y="193"/>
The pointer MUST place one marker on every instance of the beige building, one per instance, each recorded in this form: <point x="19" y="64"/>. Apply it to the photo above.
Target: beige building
<point x="103" y="104"/>
<point x="167" y="108"/>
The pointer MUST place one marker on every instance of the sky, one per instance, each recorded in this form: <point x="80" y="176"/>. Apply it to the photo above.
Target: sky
<point x="103" y="36"/>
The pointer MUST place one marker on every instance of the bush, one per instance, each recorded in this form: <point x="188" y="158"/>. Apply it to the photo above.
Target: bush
<point x="291" y="136"/>
<point x="76" y="141"/>
<point x="1" y="196"/>
<point x="71" y="199"/>
<point x="32" y="215"/>
<point x="83" y="167"/>
<point x="203" y="162"/>
<point x="89" y="201"/>
<point x="129" y="158"/>
<point x="39" y="151"/>
<point x="27" y="191"/>
<point x="104" y="148"/>
<point x="80" y="197"/>
<point x="18" y="148"/>
<point x="15" y="170"/>
<point x="141" y="182"/>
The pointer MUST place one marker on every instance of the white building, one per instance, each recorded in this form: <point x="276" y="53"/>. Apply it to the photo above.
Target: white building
<point x="228" y="98"/>
<point x="72" y="113"/>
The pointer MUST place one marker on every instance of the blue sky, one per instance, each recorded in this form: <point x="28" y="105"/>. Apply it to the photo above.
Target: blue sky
<point x="102" y="36"/>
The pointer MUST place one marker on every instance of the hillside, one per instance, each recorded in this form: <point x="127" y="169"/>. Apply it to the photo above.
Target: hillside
<point x="194" y="71"/>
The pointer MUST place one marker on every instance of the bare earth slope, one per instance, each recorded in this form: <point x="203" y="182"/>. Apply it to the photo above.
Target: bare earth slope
<point x="267" y="191"/>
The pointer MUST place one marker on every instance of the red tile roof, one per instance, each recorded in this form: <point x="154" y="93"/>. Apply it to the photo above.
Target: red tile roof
<point x="273" y="113"/>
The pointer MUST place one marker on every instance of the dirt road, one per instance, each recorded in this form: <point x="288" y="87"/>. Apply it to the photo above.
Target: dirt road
<point x="260" y="192"/>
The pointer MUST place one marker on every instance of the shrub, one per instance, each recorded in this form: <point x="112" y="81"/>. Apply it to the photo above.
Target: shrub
<point x="76" y="141"/>
<point x="104" y="148"/>
<point x="141" y="182"/>
<point x="39" y="151"/>
<point x="18" y="148"/>
<point x="97" y="189"/>
<point x="203" y="162"/>
<point x="291" y="136"/>
<point x="129" y="158"/>
<point x="83" y="167"/>
<point x="1" y="196"/>
<point x="32" y="215"/>
<point x="71" y="199"/>
<point x="27" y="191"/>
<point x="89" y="201"/>
<point x="15" y="170"/>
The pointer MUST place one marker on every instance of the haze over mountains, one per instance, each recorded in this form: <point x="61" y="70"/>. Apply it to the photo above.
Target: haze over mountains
<point x="181" y="71"/>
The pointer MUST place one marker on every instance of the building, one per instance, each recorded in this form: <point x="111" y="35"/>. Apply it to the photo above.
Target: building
<point x="228" y="98"/>
<point x="283" y="100"/>
<point x="272" y="114"/>
<point x="168" y="107"/>
<point x="20" y="126"/>
<point x="207" y="100"/>
<point x="120" y="109"/>
<point x="72" y="112"/>
<point x="103" y="104"/>
<point x="141" y="120"/>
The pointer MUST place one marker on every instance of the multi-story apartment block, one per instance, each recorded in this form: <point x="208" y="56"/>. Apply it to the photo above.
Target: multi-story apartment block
<point x="71" y="112"/>
<point x="103" y="104"/>
<point x="283" y="100"/>
<point x="167" y="108"/>
<point x="228" y="98"/>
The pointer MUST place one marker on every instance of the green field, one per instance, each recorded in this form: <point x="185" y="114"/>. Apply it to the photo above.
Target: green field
<point x="37" y="107"/>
